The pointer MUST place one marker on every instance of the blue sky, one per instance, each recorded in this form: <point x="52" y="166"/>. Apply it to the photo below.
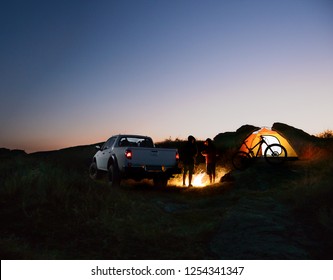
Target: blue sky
<point x="77" y="72"/>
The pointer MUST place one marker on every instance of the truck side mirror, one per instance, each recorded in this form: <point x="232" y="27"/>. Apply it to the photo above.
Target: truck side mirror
<point x="98" y="147"/>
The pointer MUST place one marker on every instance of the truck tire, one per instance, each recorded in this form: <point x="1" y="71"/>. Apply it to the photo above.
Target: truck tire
<point x="160" y="182"/>
<point x="94" y="173"/>
<point x="114" y="176"/>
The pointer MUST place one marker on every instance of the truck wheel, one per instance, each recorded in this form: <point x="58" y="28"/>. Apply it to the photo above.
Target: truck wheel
<point x="114" y="176"/>
<point x="94" y="173"/>
<point x="160" y="182"/>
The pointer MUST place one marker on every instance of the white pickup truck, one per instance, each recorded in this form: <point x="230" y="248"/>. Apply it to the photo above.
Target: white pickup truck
<point x="134" y="157"/>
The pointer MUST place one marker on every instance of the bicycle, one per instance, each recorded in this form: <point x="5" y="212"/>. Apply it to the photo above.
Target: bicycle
<point x="274" y="154"/>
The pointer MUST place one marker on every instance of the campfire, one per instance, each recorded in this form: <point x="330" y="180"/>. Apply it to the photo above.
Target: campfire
<point x="199" y="179"/>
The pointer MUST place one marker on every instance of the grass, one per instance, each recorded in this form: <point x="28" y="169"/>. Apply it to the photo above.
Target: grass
<point x="51" y="212"/>
<point x="311" y="198"/>
<point x="51" y="209"/>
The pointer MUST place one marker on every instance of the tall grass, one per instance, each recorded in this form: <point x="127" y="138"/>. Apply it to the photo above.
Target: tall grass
<point x="51" y="209"/>
<point x="310" y="196"/>
<point x="47" y="207"/>
<point x="328" y="133"/>
<point x="51" y="212"/>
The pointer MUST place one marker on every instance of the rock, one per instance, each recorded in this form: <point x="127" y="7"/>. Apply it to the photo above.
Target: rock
<point x="228" y="143"/>
<point x="306" y="146"/>
<point x="228" y="177"/>
<point x="231" y="140"/>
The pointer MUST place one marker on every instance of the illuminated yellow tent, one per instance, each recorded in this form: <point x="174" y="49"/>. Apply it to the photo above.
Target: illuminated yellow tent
<point x="271" y="137"/>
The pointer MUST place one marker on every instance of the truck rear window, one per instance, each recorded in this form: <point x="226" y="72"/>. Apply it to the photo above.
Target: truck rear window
<point x="136" y="142"/>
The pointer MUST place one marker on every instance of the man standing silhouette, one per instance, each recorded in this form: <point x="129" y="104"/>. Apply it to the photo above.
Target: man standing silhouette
<point x="210" y="154"/>
<point x="189" y="154"/>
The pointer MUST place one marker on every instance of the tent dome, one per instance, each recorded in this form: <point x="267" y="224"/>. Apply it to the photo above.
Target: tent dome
<point x="271" y="137"/>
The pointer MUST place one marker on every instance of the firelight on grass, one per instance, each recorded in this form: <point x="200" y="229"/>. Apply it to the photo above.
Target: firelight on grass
<point x="199" y="180"/>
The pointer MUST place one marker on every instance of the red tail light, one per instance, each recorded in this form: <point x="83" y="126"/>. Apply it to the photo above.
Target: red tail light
<point x="128" y="154"/>
<point x="177" y="156"/>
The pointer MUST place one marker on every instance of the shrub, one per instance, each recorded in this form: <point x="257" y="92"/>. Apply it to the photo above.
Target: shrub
<point x="328" y="133"/>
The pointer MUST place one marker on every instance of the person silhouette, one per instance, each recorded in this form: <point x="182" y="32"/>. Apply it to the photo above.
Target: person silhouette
<point x="189" y="153"/>
<point x="210" y="154"/>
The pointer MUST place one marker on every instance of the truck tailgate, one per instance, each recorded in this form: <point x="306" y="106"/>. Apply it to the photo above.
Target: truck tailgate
<point x="151" y="157"/>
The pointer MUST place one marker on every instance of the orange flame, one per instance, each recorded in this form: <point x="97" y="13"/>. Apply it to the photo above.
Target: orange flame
<point x="199" y="180"/>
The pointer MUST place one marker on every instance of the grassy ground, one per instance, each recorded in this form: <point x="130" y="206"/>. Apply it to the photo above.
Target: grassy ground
<point x="51" y="209"/>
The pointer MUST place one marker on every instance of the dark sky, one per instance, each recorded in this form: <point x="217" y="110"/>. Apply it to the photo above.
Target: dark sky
<point x="77" y="72"/>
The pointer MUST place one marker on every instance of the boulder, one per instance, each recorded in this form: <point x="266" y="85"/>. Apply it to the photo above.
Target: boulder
<point x="306" y="146"/>
<point x="233" y="140"/>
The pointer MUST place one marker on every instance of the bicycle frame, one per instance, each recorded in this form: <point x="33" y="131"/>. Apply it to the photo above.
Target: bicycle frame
<point x="250" y="150"/>
<point x="274" y="154"/>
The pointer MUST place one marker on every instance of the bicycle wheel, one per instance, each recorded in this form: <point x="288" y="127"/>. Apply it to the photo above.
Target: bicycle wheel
<point x="241" y="160"/>
<point x="275" y="154"/>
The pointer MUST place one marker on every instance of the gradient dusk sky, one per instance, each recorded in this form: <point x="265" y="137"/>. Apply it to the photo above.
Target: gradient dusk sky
<point x="77" y="72"/>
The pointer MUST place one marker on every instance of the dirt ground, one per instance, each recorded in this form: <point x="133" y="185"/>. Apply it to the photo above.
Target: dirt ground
<point x="267" y="216"/>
